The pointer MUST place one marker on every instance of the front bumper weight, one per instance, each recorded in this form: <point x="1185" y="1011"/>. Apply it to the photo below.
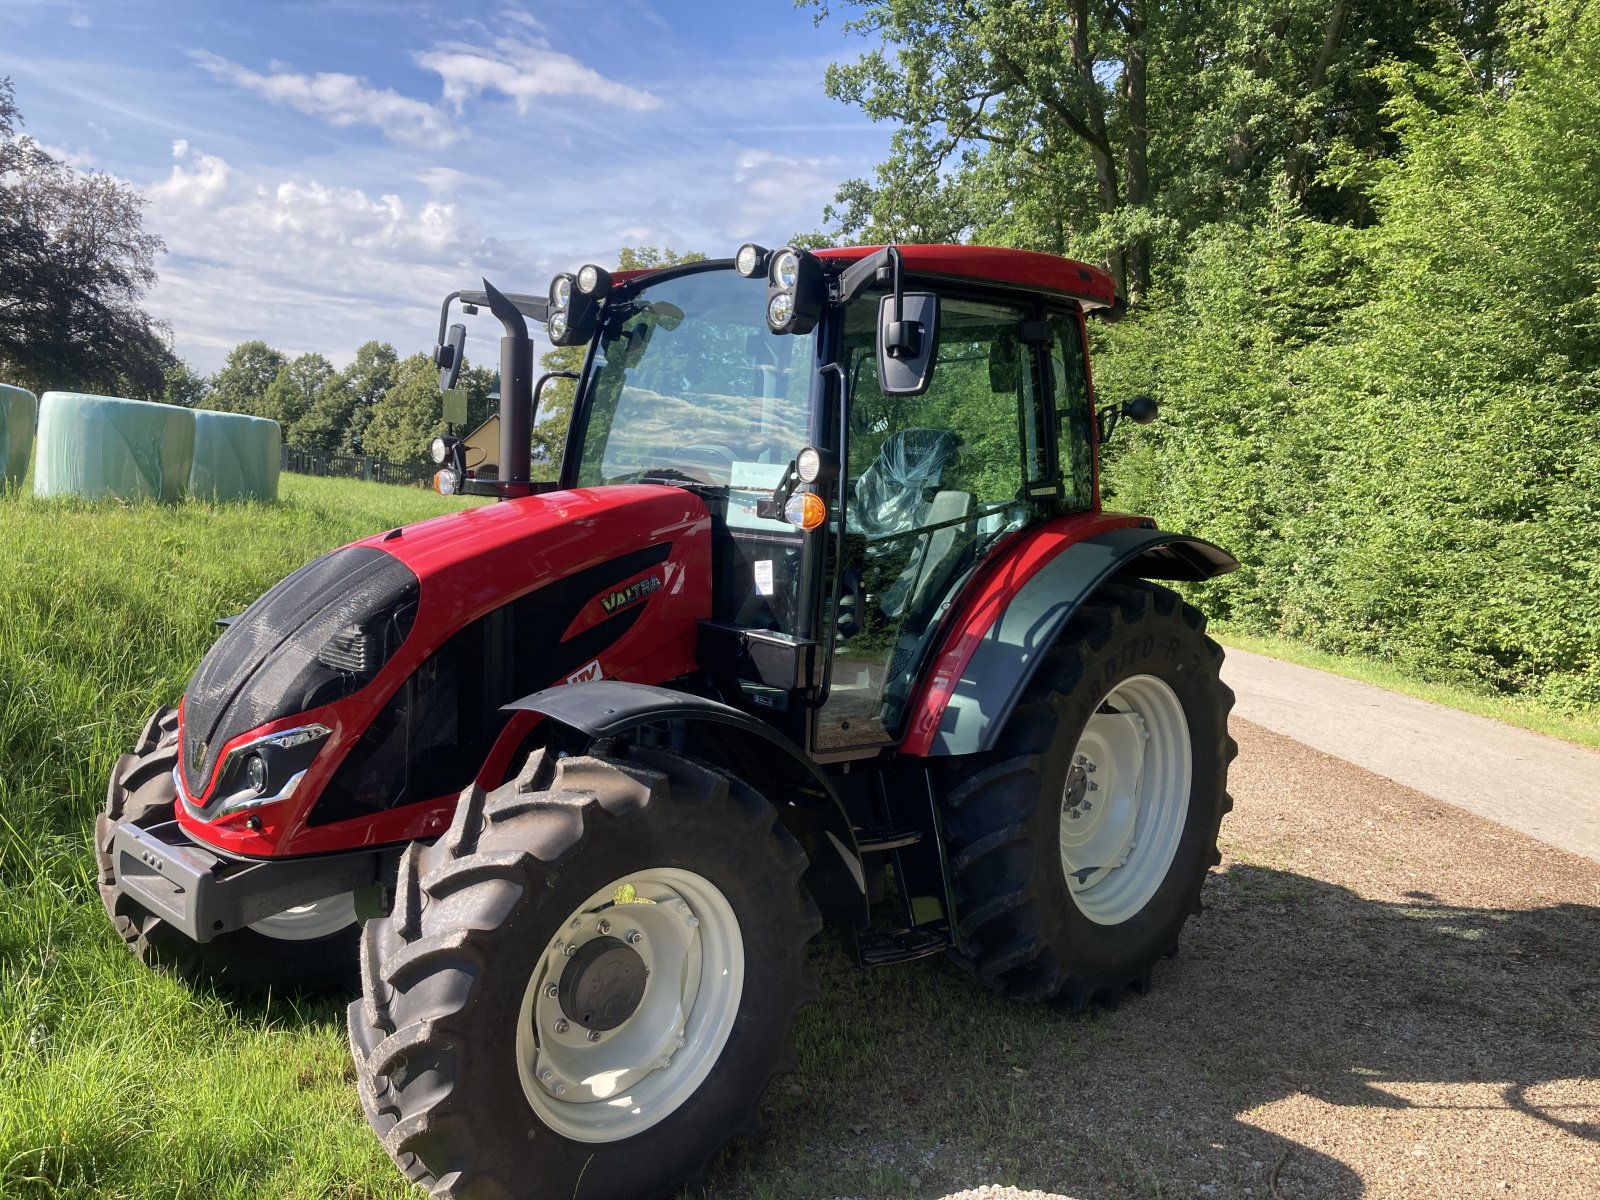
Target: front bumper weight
<point x="205" y="895"/>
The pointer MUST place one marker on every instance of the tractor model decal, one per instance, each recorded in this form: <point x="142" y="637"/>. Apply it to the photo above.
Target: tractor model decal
<point x="631" y="594"/>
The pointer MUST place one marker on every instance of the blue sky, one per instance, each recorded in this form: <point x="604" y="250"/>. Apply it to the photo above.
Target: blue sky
<point x="323" y="173"/>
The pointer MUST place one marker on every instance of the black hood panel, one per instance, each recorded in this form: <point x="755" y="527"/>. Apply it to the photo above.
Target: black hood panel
<point x="270" y="662"/>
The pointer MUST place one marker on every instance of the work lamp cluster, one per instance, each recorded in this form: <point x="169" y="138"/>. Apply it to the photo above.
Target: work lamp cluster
<point x="574" y="312"/>
<point x="797" y="289"/>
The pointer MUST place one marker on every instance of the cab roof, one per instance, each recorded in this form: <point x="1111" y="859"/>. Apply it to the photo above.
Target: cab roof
<point x="1090" y="285"/>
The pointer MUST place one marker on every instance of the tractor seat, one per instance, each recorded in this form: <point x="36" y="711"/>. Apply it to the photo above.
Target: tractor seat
<point x="893" y="494"/>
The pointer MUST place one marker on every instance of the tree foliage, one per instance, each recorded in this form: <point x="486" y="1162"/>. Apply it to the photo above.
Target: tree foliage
<point x="75" y="264"/>
<point x="1397" y="427"/>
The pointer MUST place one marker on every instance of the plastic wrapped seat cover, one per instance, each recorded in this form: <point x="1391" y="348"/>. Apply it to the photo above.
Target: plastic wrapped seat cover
<point x="893" y="494"/>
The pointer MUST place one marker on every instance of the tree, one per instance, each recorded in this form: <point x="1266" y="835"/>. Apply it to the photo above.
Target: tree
<point x="555" y="405"/>
<point x="289" y="396"/>
<point x="184" y="386"/>
<point x="241" y="385"/>
<point x="1113" y="128"/>
<point x="338" y="416"/>
<point x="75" y="264"/>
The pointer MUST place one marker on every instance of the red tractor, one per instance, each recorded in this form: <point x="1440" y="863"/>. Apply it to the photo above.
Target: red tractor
<point x="824" y="620"/>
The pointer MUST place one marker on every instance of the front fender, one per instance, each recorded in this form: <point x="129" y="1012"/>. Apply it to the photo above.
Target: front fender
<point x="982" y="670"/>
<point x="807" y="804"/>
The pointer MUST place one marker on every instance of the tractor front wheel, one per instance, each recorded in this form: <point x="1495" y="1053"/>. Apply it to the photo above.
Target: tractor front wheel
<point x="308" y="949"/>
<point x="585" y="986"/>
<point x="1079" y="844"/>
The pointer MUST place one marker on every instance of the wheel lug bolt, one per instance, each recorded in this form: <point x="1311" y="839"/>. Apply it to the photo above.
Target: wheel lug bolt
<point x="681" y="907"/>
<point x="558" y="1088"/>
<point x="634" y="937"/>
<point x="570" y="951"/>
<point x="561" y="1025"/>
<point x="605" y="926"/>
<point x="547" y="1076"/>
<point x="692" y="921"/>
<point x="1093" y="786"/>
<point x="1087" y="806"/>
<point x="1090" y="768"/>
<point x="577" y="922"/>
<point x="551" y="990"/>
<point x="594" y="1035"/>
<point x="1082" y="759"/>
<point x="1074" y="813"/>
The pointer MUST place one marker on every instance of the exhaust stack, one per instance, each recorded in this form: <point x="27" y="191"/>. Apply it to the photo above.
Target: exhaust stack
<point x="516" y="391"/>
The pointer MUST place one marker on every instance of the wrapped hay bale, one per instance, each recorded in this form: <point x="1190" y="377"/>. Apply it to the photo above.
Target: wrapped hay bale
<point x="18" y="410"/>
<point x="94" y="446"/>
<point x="235" y="457"/>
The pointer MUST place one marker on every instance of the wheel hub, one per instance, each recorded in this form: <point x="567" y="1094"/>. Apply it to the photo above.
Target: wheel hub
<point x="602" y="984"/>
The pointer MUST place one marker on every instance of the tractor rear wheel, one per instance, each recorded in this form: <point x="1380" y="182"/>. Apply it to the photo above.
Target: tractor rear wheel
<point x="585" y="986"/>
<point x="308" y="949"/>
<point x="1079" y="844"/>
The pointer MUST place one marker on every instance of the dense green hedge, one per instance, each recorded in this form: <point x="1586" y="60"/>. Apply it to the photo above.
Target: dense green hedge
<point x="1397" y="428"/>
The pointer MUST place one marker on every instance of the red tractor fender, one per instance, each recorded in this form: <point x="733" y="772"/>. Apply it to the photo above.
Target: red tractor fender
<point x="1013" y="612"/>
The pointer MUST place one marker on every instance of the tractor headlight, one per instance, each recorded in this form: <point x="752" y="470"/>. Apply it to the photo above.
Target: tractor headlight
<point x="574" y="312"/>
<point x="255" y="769"/>
<point x="750" y="259"/>
<point x="438" y="450"/>
<point x="810" y="463"/>
<point x="786" y="271"/>
<point x="593" y="280"/>
<point x="796" y="291"/>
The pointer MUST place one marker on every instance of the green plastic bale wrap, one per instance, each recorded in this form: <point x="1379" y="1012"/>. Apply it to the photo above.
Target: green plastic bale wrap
<point x="235" y="457"/>
<point x="18" y="410"/>
<point x="94" y="446"/>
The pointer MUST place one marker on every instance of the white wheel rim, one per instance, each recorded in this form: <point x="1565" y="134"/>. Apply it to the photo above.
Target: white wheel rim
<point x="1125" y="800"/>
<point x="307" y="922"/>
<point x="639" y="1073"/>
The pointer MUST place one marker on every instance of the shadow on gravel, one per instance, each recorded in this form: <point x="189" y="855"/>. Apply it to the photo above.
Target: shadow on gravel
<point x="917" y="1082"/>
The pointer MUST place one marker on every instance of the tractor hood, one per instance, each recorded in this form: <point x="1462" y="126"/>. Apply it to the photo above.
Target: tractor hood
<point x="406" y="645"/>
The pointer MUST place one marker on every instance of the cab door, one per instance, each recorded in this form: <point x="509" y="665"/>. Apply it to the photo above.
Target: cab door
<point x="929" y="485"/>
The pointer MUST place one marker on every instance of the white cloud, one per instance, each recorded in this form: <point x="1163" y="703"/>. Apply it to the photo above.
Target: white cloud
<point x="446" y="181"/>
<point x="307" y="265"/>
<point x="340" y="100"/>
<point x="78" y="160"/>
<point x="524" y="71"/>
<point x="79" y="19"/>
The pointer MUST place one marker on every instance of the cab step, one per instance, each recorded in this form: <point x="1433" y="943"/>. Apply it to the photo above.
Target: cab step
<point x="902" y="945"/>
<point x="875" y="839"/>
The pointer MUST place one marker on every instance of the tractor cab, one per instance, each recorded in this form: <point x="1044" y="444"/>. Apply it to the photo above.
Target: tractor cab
<point x="864" y="427"/>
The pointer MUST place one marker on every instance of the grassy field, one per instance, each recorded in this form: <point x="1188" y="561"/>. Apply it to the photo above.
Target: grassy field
<point x="118" y="1082"/>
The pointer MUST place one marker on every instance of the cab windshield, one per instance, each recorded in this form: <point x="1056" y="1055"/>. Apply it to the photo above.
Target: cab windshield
<point x="689" y="385"/>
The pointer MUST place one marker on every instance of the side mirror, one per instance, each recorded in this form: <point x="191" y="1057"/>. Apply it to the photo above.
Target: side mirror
<point x="448" y="356"/>
<point x="907" y="340"/>
<point x="1141" y="410"/>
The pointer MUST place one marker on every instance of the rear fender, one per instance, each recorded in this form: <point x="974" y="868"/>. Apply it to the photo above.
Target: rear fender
<point x="986" y="663"/>
<point x="805" y="799"/>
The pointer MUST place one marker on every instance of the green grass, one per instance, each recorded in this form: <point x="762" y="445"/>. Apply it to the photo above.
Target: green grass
<point x="118" y="1082"/>
<point x="1582" y="728"/>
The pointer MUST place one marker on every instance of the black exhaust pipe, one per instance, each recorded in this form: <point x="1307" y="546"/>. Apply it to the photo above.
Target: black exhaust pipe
<point x="516" y="394"/>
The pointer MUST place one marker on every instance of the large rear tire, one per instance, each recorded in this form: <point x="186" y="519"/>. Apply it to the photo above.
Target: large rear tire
<point x="1079" y="845"/>
<point x="587" y="984"/>
<point x="307" y="950"/>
